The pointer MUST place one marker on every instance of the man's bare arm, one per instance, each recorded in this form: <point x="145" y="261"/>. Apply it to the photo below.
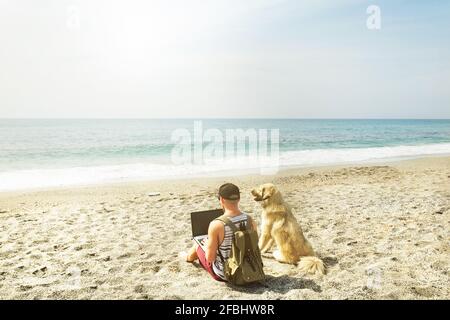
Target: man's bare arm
<point x="213" y="241"/>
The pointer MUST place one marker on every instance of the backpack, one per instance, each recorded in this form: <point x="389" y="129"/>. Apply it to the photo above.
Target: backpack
<point x="244" y="265"/>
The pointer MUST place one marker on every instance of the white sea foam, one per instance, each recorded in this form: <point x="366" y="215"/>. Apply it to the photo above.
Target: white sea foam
<point x="44" y="178"/>
<point x="337" y="156"/>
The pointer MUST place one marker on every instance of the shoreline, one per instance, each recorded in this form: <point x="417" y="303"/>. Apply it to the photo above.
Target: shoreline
<point x="228" y="174"/>
<point x="381" y="229"/>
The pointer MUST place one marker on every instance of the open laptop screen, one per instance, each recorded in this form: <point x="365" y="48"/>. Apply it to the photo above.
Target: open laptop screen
<point x="200" y="221"/>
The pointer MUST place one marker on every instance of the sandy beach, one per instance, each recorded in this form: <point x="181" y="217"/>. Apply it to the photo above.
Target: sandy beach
<point x="383" y="231"/>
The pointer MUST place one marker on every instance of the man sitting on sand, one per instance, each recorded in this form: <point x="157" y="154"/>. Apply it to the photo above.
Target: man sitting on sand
<point x="220" y="236"/>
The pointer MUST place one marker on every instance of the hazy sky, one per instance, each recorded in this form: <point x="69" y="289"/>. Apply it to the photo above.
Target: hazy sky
<point x="224" y="58"/>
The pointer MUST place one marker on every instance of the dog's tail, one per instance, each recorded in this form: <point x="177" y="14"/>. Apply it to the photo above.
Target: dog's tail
<point x="311" y="264"/>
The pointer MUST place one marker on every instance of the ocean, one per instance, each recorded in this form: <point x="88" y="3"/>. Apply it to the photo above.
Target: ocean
<point x="36" y="153"/>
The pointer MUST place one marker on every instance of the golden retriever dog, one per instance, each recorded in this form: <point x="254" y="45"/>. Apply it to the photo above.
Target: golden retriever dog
<point x="280" y="226"/>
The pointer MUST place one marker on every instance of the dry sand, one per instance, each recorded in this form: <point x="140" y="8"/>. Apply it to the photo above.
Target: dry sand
<point x="383" y="231"/>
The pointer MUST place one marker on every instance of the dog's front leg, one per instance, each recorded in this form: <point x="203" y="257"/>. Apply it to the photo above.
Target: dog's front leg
<point x="265" y="239"/>
<point x="268" y="245"/>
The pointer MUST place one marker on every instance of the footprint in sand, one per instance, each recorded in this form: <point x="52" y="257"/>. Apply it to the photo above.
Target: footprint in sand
<point x="156" y="269"/>
<point x="192" y="283"/>
<point x="340" y="240"/>
<point x="40" y="271"/>
<point x="125" y="255"/>
<point x="139" y="288"/>
<point x="174" y="267"/>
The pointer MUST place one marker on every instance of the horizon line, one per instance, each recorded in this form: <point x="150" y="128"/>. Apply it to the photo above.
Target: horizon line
<point x="215" y="118"/>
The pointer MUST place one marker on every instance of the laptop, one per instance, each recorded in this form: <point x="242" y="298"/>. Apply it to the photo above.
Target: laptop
<point x="200" y="222"/>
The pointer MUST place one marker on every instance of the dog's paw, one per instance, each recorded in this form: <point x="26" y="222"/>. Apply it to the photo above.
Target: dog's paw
<point x="277" y="255"/>
<point x="267" y="255"/>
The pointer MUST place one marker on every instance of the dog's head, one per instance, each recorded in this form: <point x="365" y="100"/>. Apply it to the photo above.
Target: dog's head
<point x="270" y="199"/>
<point x="266" y="193"/>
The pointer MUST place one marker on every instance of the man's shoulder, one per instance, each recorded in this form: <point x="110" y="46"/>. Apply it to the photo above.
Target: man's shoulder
<point x="247" y="216"/>
<point x="216" y="224"/>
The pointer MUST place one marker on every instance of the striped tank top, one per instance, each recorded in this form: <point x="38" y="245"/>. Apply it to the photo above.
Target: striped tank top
<point x="225" y="246"/>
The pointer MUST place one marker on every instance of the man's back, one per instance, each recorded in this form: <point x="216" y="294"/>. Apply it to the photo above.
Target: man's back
<point x="225" y="240"/>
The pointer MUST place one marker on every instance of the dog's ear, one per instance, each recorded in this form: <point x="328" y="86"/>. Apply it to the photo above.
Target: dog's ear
<point x="262" y="193"/>
<point x="276" y="203"/>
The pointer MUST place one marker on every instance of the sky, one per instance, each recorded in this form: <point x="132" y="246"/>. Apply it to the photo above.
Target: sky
<point x="224" y="58"/>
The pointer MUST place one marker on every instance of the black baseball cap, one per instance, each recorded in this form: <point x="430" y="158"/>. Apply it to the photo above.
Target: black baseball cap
<point x="229" y="191"/>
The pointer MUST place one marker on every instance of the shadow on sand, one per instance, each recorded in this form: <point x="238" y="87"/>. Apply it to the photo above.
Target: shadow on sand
<point x="330" y="261"/>
<point x="281" y="284"/>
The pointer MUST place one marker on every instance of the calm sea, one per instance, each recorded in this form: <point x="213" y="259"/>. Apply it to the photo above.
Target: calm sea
<point x="46" y="153"/>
